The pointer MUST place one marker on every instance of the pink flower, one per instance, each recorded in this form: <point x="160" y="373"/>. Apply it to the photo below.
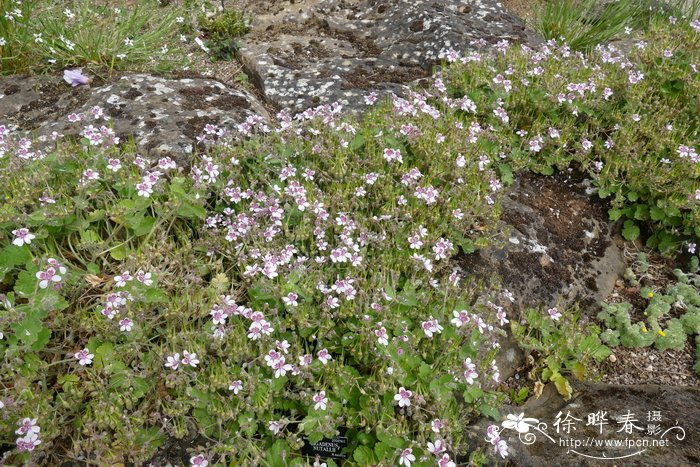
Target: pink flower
<point x="125" y="325"/>
<point x="431" y="327"/>
<point x="22" y="236"/>
<point x="28" y="443"/>
<point x="554" y="314"/>
<point x="173" y="361"/>
<point x="84" y="357"/>
<point x="291" y="299"/>
<point x="382" y="336"/>
<point x="236" y="386"/>
<point x="324" y="356"/>
<point x="199" y="461"/>
<point x="275" y="427"/>
<point x="470" y="372"/>
<point x="403" y="397"/>
<point x="189" y="359"/>
<point x="47" y="276"/>
<point x="407" y="457"/>
<point x="27" y="425"/>
<point x="321" y="401"/>
<point x="437" y="448"/>
<point x="445" y="461"/>
<point x="391" y="155"/>
<point x="305" y="360"/>
<point x="122" y="279"/>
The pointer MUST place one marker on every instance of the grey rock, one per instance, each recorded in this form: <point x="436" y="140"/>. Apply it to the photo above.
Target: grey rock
<point x="557" y="246"/>
<point x="659" y="413"/>
<point x="164" y="115"/>
<point x="310" y="52"/>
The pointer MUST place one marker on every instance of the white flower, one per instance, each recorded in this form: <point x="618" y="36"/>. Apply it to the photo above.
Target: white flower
<point x="173" y="361"/>
<point x="407" y="457"/>
<point x="236" y="386"/>
<point x="403" y="397"/>
<point x="84" y="357"/>
<point x="125" y="325"/>
<point x="275" y="427"/>
<point x="22" y="236"/>
<point x="321" y="401"/>
<point x="324" y="356"/>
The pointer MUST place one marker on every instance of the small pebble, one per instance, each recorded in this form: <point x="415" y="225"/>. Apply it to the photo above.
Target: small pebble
<point x="612" y="358"/>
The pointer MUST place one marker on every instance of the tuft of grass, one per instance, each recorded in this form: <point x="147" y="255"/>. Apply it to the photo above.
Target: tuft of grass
<point x="583" y="24"/>
<point x="83" y="33"/>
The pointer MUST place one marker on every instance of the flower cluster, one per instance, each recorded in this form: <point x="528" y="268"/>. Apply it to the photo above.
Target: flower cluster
<point x="29" y="434"/>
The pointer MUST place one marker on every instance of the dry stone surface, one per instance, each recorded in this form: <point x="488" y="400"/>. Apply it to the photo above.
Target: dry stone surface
<point x="310" y="52"/>
<point x="557" y="247"/>
<point x="164" y="115"/>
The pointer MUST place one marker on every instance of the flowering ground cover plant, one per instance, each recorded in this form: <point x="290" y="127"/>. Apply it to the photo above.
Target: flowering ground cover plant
<point x="301" y="282"/>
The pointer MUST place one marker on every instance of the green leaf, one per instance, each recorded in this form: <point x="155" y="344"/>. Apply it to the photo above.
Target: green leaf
<point x="489" y="411"/>
<point x="393" y="441"/>
<point x="28" y="330"/>
<point x="672" y="87"/>
<point x="630" y="231"/>
<point x="506" y="173"/>
<point x="656" y="213"/>
<point x="119" y="253"/>
<point x="26" y="282"/>
<point x="364" y="456"/>
<point x="641" y="212"/>
<point x="150" y="436"/>
<point x="357" y="143"/>
<point x="143" y="226"/>
<point x="614" y="214"/>
<point x="156" y="296"/>
<point x="191" y="211"/>
<point x="42" y="338"/>
<point x="277" y="453"/>
<point x="11" y="256"/>
<point x="547" y="170"/>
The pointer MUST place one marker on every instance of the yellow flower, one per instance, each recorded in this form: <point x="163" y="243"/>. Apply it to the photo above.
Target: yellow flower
<point x="650" y="295"/>
<point x="661" y="333"/>
<point x="644" y="328"/>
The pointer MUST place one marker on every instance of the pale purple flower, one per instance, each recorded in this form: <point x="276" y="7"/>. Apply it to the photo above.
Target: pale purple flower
<point x="236" y="386"/>
<point x="470" y="373"/>
<point x="28" y="443"/>
<point x="324" y="356"/>
<point x="320" y="401"/>
<point x="45" y="277"/>
<point x="22" y="236"/>
<point x="173" y="361"/>
<point x="198" y="461"/>
<point x="84" y="357"/>
<point x="275" y="427"/>
<point x="27" y="425"/>
<point x="407" y="457"/>
<point x="125" y="325"/>
<point x="189" y="359"/>
<point x="437" y="448"/>
<point x="554" y="314"/>
<point x="382" y="336"/>
<point x="75" y="77"/>
<point x="445" y="461"/>
<point x="403" y="397"/>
